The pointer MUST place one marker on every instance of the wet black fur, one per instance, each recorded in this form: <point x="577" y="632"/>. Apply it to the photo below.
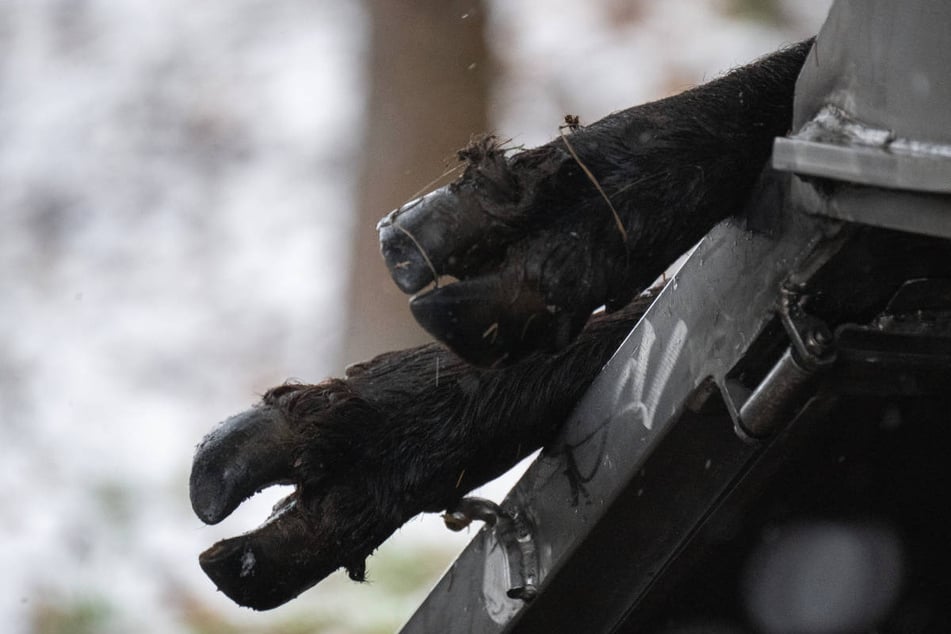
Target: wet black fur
<point x="414" y="430"/>
<point x="537" y="244"/>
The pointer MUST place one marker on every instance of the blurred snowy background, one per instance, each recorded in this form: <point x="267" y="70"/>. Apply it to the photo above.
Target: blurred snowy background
<point x="180" y="197"/>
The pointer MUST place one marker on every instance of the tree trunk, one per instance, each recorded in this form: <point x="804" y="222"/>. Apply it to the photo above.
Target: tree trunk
<point x="428" y="91"/>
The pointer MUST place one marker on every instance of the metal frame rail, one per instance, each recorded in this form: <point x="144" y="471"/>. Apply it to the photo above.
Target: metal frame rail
<point x="767" y="363"/>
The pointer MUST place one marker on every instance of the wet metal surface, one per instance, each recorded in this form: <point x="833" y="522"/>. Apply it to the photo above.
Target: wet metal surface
<point x="592" y="497"/>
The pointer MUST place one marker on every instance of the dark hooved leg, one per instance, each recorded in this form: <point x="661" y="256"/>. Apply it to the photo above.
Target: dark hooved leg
<point x="536" y="246"/>
<point x="406" y="432"/>
<point x="540" y="238"/>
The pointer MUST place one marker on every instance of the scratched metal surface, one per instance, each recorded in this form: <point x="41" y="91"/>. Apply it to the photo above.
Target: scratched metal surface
<point x="630" y="477"/>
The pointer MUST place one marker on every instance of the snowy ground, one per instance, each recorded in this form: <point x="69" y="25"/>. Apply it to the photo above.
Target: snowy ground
<point x="153" y="158"/>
